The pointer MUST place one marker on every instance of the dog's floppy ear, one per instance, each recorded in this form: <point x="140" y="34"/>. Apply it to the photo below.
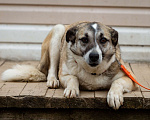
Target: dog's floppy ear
<point x="114" y="36"/>
<point x="71" y="35"/>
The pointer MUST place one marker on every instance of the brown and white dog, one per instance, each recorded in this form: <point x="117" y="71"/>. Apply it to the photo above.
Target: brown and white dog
<point x="86" y="54"/>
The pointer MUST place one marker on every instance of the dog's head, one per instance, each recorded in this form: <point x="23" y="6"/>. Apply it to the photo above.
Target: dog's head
<point x="93" y="41"/>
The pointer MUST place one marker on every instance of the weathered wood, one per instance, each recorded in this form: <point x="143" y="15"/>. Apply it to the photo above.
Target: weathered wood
<point x="59" y="93"/>
<point x="142" y="72"/>
<point x="12" y="88"/>
<point x="133" y="100"/>
<point x="33" y="96"/>
<point x="3" y="99"/>
<point x="37" y="95"/>
<point x="9" y="94"/>
<point x="58" y="100"/>
<point x="101" y="99"/>
<point x="50" y="93"/>
<point x="33" y="63"/>
<point x="146" y="103"/>
<point x="34" y="89"/>
<point x="85" y="100"/>
<point x="48" y="97"/>
<point x="1" y="84"/>
<point x="1" y="62"/>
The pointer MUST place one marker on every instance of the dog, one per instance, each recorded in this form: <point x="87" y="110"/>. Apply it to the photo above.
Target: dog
<point x="83" y="55"/>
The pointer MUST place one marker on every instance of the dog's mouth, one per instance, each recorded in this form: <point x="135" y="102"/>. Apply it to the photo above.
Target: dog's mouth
<point x="93" y="64"/>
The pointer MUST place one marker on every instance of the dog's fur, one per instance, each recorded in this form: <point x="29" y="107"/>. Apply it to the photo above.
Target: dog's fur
<point x="88" y="53"/>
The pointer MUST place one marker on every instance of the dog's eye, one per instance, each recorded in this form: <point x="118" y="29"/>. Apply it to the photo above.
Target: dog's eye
<point x="84" y="40"/>
<point x="103" y="40"/>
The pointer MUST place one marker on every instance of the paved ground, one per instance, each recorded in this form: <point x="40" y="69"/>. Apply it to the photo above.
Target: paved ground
<point x="37" y="95"/>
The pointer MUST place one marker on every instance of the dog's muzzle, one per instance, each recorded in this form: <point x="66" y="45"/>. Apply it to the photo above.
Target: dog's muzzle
<point x="93" y="59"/>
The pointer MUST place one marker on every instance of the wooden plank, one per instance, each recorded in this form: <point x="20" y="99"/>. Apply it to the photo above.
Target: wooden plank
<point x="128" y="67"/>
<point x="34" y="89"/>
<point x="59" y="93"/>
<point x="62" y="14"/>
<point x="133" y="94"/>
<point x="124" y="3"/>
<point x="142" y="72"/>
<point x="50" y="93"/>
<point x="133" y="100"/>
<point x="146" y="95"/>
<point x="48" y="97"/>
<point x="101" y="99"/>
<point x="1" y="84"/>
<point x="101" y="94"/>
<point x="58" y="100"/>
<point x="10" y="91"/>
<point x="9" y="94"/>
<point x="33" y="96"/>
<point x="1" y="62"/>
<point x="12" y="88"/>
<point x="33" y="63"/>
<point x="85" y="100"/>
<point x="86" y="94"/>
<point x="146" y="99"/>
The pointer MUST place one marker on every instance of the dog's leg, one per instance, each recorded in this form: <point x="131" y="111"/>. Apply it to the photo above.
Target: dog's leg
<point x="71" y="85"/>
<point x="54" y="55"/>
<point x="118" y="87"/>
<point x="44" y="62"/>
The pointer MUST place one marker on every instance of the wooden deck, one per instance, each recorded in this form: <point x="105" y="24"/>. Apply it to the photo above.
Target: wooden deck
<point x="37" y="95"/>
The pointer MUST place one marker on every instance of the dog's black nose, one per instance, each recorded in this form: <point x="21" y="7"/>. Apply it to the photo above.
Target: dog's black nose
<point x="94" y="56"/>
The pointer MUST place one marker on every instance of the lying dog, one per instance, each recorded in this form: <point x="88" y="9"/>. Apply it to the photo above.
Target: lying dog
<point x="88" y="53"/>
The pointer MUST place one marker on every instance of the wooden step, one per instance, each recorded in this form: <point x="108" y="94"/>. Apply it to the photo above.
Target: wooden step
<point x="37" y="95"/>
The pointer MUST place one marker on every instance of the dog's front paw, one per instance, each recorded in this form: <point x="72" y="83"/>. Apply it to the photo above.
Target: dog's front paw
<point x="115" y="98"/>
<point x="71" y="92"/>
<point x="52" y="82"/>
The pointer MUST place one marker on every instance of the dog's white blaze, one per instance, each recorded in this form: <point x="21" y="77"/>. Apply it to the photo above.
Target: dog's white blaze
<point x="99" y="52"/>
<point x="95" y="28"/>
<point x="97" y="47"/>
<point x="86" y="56"/>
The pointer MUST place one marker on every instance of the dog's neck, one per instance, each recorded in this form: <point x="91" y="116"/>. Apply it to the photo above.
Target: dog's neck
<point x="95" y="73"/>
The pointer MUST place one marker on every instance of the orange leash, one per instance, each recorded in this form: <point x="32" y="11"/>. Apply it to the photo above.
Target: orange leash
<point x="130" y="76"/>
